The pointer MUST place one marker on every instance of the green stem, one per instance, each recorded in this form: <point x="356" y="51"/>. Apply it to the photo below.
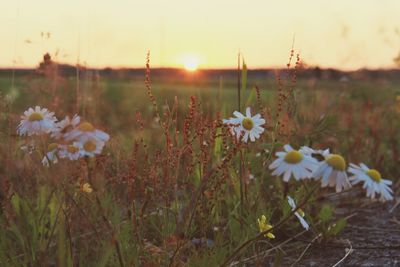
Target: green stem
<point x="103" y="215"/>
<point x="244" y="245"/>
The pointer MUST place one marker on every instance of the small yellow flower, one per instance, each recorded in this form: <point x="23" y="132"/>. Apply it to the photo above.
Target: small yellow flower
<point x="264" y="226"/>
<point x="87" y="188"/>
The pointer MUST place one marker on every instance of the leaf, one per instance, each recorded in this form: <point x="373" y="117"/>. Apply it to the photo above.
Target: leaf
<point x="15" y="200"/>
<point x="244" y="75"/>
<point x="244" y="83"/>
<point x="250" y="97"/>
<point x="325" y="213"/>
<point x="218" y="143"/>
<point x="338" y="227"/>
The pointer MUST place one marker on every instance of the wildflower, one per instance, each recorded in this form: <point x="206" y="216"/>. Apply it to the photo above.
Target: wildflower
<point x="86" y="130"/>
<point x="333" y="172"/>
<point x="264" y="226"/>
<point x="294" y="163"/>
<point x="90" y="147"/>
<point x="64" y="126"/>
<point x="299" y="213"/>
<point x="319" y="154"/>
<point x="71" y="151"/>
<point x="248" y="126"/>
<point x="28" y="148"/>
<point x="87" y="188"/>
<point x="373" y="181"/>
<point x="51" y="155"/>
<point x="36" y="121"/>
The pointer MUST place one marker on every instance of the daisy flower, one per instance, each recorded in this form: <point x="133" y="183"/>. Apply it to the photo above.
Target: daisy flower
<point x="64" y="126"/>
<point x="71" y="151"/>
<point x="293" y="163"/>
<point x="373" y="181"/>
<point x="51" y="155"/>
<point x="86" y="130"/>
<point x="248" y="126"/>
<point x="36" y="121"/>
<point x="299" y="213"/>
<point x="263" y="225"/>
<point x="90" y="147"/>
<point x="319" y="154"/>
<point x="333" y="172"/>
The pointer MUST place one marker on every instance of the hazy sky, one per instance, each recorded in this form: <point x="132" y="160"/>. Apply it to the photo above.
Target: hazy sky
<point x="342" y="33"/>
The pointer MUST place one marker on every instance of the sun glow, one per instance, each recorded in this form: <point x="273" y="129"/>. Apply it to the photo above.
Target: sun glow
<point x="190" y="62"/>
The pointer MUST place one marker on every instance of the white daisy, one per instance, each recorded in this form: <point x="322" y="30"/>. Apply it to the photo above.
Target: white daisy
<point x="90" y="146"/>
<point x="316" y="153"/>
<point x="36" y="121"/>
<point x="71" y="151"/>
<point x="86" y="130"/>
<point x="333" y="172"/>
<point x="64" y="126"/>
<point x="373" y="181"/>
<point x="51" y="155"/>
<point x="248" y="126"/>
<point x="293" y="163"/>
<point x="299" y="213"/>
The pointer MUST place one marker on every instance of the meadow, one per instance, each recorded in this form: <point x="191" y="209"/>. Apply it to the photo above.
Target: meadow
<point x="172" y="186"/>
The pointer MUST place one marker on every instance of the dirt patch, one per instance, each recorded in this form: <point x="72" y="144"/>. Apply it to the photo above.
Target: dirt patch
<point x="374" y="234"/>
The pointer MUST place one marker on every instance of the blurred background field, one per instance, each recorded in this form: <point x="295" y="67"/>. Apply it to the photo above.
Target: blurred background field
<point x="354" y="103"/>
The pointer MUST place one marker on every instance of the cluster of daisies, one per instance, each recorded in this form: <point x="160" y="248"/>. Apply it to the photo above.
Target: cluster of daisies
<point x="71" y="138"/>
<point x="307" y="163"/>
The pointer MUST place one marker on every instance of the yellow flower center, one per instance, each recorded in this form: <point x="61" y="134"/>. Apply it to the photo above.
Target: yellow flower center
<point x="375" y="175"/>
<point x="35" y="116"/>
<point x="72" y="149"/>
<point x="293" y="157"/>
<point x="52" y="147"/>
<point x="247" y="123"/>
<point x="86" y="127"/>
<point x="337" y="162"/>
<point x="89" y="146"/>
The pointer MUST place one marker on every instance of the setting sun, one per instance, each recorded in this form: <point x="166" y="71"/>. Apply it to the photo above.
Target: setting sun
<point x="190" y="62"/>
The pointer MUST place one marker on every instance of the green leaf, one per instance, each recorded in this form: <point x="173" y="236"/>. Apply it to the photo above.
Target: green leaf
<point x="218" y="144"/>
<point x="326" y="213"/>
<point x="15" y="200"/>
<point x="244" y="75"/>
<point x="250" y="97"/>
<point x="338" y="227"/>
<point x="244" y="83"/>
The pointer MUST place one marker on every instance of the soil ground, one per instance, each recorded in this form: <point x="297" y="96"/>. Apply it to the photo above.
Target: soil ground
<point x="373" y="232"/>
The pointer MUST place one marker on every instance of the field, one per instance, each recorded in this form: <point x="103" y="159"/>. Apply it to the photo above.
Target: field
<point x="172" y="186"/>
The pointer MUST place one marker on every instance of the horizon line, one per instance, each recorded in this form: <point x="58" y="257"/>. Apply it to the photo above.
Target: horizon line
<point x="205" y="69"/>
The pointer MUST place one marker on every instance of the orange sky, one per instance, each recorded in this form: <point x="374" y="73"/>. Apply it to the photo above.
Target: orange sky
<point x="343" y="33"/>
